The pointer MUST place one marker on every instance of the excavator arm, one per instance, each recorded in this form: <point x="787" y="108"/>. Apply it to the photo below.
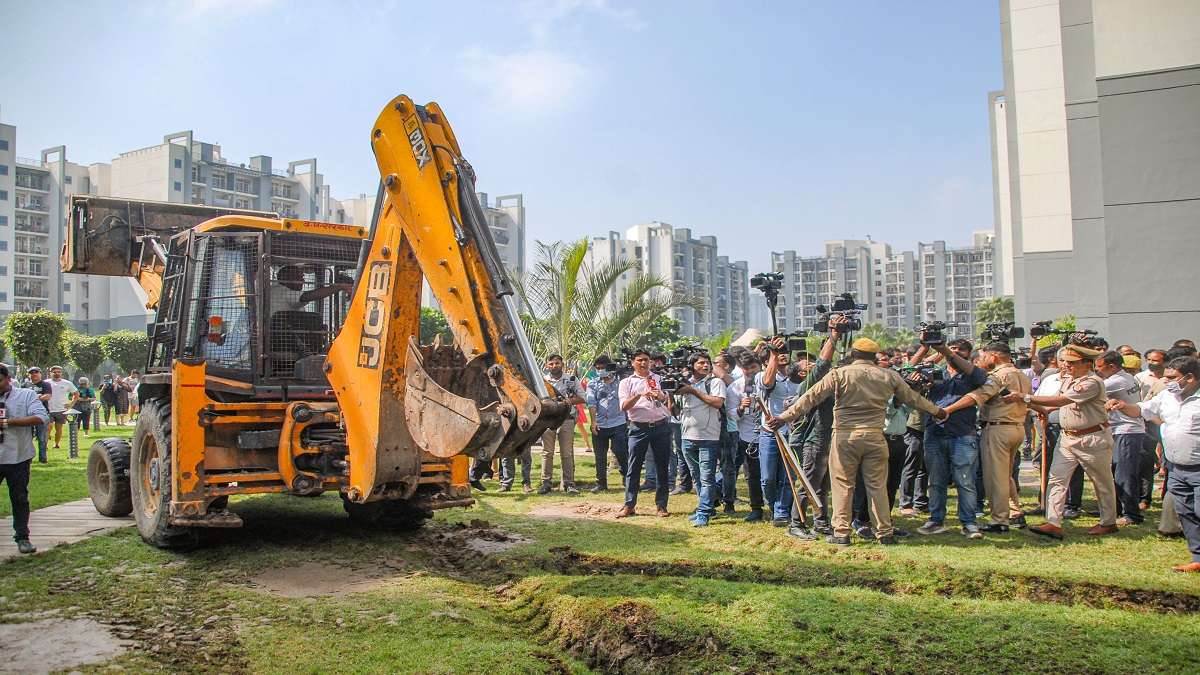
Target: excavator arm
<point x="484" y="395"/>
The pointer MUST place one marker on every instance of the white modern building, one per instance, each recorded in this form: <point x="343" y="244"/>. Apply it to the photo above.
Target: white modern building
<point x="899" y="289"/>
<point x="1096" y="158"/>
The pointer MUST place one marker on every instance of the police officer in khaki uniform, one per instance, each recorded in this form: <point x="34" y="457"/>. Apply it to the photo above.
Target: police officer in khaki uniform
<point x="860" y="392"/>
<point x="1086" y="440"/>
<point x="1003" y="434"/>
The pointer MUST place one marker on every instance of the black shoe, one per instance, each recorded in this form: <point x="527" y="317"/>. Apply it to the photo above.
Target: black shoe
<point x="994" y="528"/>
<point x="888" y="541"/>
<point x="506" y="487"/>
<point x="478" y="485"/>
<point x="545" y="488"/>
<point x="801" y="532"/>
<point x="600" y="488"/>
<point x="1071" y="513"/>
<point x="840" y="541"/>
<point x="780" y="522"/>
<point x="822" y="527"/>
<point x="864" y="532"/>
<point x="24" y="546"/>
<point x="646" y="487"/>
<point x="678" y="491"/>
<point x="729" y="510"/>
<point x="755" y="516"/>
<point x="897" y="532"/>
<point x="1018" y="522"/>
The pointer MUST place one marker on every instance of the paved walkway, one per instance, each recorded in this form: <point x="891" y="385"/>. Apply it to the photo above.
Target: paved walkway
<point x="60" y="524"/>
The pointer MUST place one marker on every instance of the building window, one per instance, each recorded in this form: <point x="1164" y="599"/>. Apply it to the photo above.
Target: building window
<point x="3" y="169"/>
<point x="3" y="270"/>
<point x="3" y="244"/>
<point x="3" y="144"/>
<point x="66" y="307"/>
<point x="3" y="195"/>
<point x="66" y="285"/>
<point x="178" y="163"/>
<point x="178" y="186"/>
<point x="3" y="220"/>
<point x="67" y="179"/>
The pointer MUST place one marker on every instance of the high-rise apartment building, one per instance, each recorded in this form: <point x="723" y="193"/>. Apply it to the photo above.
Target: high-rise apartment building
<point x="1096" y="152"/>
<point x="692" y="266"/>
<point x="898" y="288"/>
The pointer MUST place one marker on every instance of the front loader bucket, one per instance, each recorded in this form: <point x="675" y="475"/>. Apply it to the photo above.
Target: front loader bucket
<point x="443" y="423"/>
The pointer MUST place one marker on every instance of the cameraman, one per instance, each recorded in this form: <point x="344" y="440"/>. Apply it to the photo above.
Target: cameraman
<point x="702" y="399"/>
<point x="951" y="446"/>
<point x="648" y="407"/>
<point x="810" y="440"/>
<point x="861" y="391"/>
<point x="609" y="424"/>
<point x="777" y="388"/>
<point x="740" y="407"/>
<point x="1003" y="434"/>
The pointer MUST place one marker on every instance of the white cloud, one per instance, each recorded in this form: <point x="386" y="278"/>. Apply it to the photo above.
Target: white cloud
<point x="222" y="8"/>
<point x="534" y="81"/>
<point x="543" y="17"/>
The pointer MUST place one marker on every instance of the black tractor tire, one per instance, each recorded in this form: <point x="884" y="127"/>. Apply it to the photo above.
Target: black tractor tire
<point x="150" y="479"/>
<point x="396" y="514"/>
<point x="108" y="477"/>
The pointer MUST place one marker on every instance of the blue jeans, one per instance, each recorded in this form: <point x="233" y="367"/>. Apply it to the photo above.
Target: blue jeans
<point x="616" y="437"/>
<point x="701" y="459"/>
<point x="777" y="489"/>
<point x="727" y="465"/>
<point x="655" y="441"/>
<point x="947" y="456"/>
<point x="39" y="436"/>
<point x="1183" y="484"/>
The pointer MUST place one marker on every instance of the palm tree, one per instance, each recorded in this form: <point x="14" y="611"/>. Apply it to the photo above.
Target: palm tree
<point x="570" y="308"/>
<point x="994" y="310"/>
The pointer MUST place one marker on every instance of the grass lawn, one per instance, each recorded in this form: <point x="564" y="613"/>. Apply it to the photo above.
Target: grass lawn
<point x="586" y="593"/>
<point x="61" y="479"/>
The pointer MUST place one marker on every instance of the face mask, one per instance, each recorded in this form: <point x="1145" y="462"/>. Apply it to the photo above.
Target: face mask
<point x="601" y="374"/>
<point x="1174" y="387"/>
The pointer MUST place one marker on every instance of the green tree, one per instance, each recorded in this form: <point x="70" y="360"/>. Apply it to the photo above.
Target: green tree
<point x="888" y="338"/>
<point x="433" y="323"/>
<point x="129" y="349"/>
<point x="573" y="310"/>
<point x="35" y="337"/>
<point x="716" y="343"/>
<point x="660" y="336"/>
<point x="993" y="310"/>
<point x="83" y="350"/>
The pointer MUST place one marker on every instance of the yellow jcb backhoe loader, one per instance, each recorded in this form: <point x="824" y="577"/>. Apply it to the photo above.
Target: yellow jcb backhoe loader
<point x="284" y="354"/>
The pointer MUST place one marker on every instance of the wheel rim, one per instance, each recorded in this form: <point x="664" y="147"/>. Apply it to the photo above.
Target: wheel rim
<point x="151" y="463"/>
<point x="103" y="480"/>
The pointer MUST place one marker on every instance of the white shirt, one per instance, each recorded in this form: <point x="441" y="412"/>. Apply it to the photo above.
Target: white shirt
<point x="284" y="299"/>
<point x="1121" y="386"/>
<point x="1180" y="425"/>
<point x="701" y="421"/>
<point x="747" y="424"/>
<point x="1050" y="385"/>
<point x="1146" y="380"/>
<point x="60" y="394"/>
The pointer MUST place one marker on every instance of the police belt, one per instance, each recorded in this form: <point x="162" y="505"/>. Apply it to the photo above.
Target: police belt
<point x="1085" y="431"/>
<point x="648" y="425"/>
<point x="985" y="423"/>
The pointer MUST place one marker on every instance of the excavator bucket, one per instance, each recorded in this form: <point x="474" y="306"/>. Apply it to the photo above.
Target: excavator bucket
<point x="443" y="423"/>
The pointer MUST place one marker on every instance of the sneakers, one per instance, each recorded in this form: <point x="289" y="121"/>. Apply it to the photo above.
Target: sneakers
<point x="971" y="531"/>
<point x="24" y="546"/>
<point x="755" y="516"/>
<point x="1070" y="513"/>
<point x="506" y="487"/>
<point x="729" y="510"/>
<point x="995" y="528"/>
<point x="822" y="527"/>
<point x="801" y="532"/>
<point x="478" y="485"/>
<point x="678" y="491"/>
<point x="646" y="487"/>
<point x="572" y="490"/>
<point x="599" y="488"/>
<point x="544" y="488"/>
<point x="1126" y="521"/>
<point x="526" y="487"/>
<point x="899" y="533"/>
<point x="700" y="521"/>
<point x="1018" y="522"/>
<point x="781" y="522"/>
<point x="931" y="527"/>
<point x="889" y="540"/>
<point x="838" y="541"/>
<point x="864" y="532"/>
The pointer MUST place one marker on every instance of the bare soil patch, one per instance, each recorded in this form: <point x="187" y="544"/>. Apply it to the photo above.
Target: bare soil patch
<point x="50" y="645"/>
<point x="580" y="510"/>
<point x="317" y="579"/>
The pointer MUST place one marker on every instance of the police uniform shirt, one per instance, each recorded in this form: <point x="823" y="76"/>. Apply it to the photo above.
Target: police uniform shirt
<point x="1087" y="407"/>
<point x="860" y="394"/>
<point x="993" y="407"/>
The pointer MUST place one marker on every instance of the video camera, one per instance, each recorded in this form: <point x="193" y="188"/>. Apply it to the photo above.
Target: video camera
<point x="676" y="372"/>
<point x="1003" y="331"/>
<point x="1084" y="337"/>
<point x="844" y="306"/>
<point x="922" y="377"/>
<point x="766" y="282"/>
<point x="792" y="342"/>
<point x="931" y="332"/>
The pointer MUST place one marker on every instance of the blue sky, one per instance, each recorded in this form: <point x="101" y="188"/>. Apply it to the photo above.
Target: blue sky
<point x="772" y="125"/>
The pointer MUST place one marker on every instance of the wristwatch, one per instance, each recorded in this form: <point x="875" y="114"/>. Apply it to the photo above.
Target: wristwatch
<point x="1027" y="398"/>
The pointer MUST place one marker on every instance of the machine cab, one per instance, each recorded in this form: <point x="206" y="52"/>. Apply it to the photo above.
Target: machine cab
<point x="260" y="300"/>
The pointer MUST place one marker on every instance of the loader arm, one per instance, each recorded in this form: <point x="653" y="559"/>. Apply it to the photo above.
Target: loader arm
<point x="482" y="396"/>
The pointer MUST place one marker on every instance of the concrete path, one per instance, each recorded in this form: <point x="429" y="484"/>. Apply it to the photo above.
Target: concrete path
<point x="60" y="524"/>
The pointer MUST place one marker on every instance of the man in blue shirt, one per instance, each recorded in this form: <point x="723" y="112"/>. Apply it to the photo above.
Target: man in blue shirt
<point x="608" y="426"/>
<point x="22" y="411"/>
<point x="952" y="446"/>
<point x="773" y="381"/>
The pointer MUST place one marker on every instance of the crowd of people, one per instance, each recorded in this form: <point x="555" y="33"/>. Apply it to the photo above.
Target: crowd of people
<point x="32" y="406"/>
<point x="834" y="448"/>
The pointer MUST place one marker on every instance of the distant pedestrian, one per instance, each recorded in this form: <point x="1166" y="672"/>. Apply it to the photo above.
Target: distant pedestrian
<point x="62" y="396"/>
<point x="22" y="412"/>
<point x="114" y="398"/>
<point x="84" y="403"/>
<point x="131" y="384"/>
<point x="43" y="391"/>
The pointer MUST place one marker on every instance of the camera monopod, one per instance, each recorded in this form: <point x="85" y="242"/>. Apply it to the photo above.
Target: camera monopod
<point x="791" y="465"/>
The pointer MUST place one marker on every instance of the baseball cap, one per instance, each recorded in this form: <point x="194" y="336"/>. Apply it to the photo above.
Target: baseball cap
<point x="33" y="369"/>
